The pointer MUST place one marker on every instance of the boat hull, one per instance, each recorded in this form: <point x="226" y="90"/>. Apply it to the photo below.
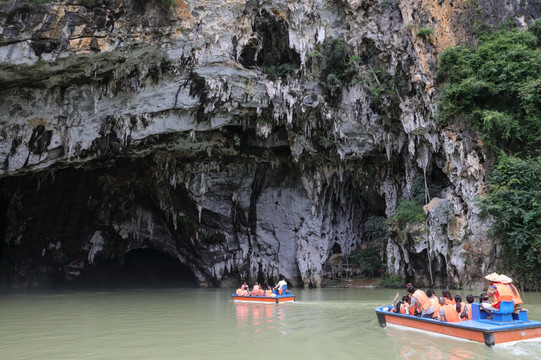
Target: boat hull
<point x="264" y="299"/>
<point x="489" y="332"/>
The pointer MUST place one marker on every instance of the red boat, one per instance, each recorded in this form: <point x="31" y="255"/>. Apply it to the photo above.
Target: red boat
<point x="264" y="299"/>
<point x="504" y="327"/>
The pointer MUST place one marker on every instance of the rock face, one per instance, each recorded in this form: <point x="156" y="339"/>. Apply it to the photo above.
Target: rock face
<point x="206" y="131"/>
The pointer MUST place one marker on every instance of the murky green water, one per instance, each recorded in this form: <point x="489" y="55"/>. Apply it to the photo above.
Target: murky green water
<point x="206" y="324"/>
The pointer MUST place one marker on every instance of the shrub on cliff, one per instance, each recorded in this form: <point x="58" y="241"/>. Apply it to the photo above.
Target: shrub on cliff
<point x="496" y="88"/>
<point x="337" y="66"/>
<point x="424" y="32"/>
<point x="515" y="202"/>
<point x="408" y="219"/>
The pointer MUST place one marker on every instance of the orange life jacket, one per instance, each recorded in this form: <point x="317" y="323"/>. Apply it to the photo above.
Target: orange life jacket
<point x="403" y="308"/>
<point x="517" y="300"/>
<point x="450" y="301"/>
<point x="268" y="292"/>
<point x="256" y="288"/>
<point x="422" y="299"/>
<point x="436" y="304"/>
<point x="239" y="291"/>
<point x="411" y="311"/>
<point x="503" y="292"/>
<point x="245" y="292"/>
<point x="450" y="313"/>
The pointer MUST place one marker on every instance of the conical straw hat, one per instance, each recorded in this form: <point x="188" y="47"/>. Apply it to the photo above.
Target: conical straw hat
<point x="505" y="279"/>
<point x="493" y="277"/>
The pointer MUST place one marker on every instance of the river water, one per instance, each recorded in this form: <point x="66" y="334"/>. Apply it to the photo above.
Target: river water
<point x="205" y="324"/>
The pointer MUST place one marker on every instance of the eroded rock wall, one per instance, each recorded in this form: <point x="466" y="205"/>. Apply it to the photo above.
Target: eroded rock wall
<point x="128" y="125"/>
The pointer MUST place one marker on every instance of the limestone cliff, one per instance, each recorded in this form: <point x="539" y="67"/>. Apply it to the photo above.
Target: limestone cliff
<point x="205" y="130"/>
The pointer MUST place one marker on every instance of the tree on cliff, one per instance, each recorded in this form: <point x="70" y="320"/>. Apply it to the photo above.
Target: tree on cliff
<point x="496" y="88"/>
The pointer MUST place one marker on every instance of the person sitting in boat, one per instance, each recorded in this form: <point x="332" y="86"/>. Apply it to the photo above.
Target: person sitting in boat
<point x="435" y="302"/>
<point x="517" y="300"/>
<point x="497" y="291"/>
<point x="449" y="300"/>
<point x="401" y="307"/>
<point x="459" y="305"/>
<point x="447" y="311"/>
<point x="239" y="291"/>
<point x="281" y="286"/>
<point x="418" y="297"/>
<point x="466" y="313"/>
<point x="397" y="305"/>
<point x="272" y="293"/>
<point x="245" y="291"/>
<point x="407" y="310"/>
<point x="255" y="290"/>
<point x="269" y="292"/>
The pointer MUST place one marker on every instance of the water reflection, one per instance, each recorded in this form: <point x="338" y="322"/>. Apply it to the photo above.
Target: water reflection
<point x="257" y="316"/>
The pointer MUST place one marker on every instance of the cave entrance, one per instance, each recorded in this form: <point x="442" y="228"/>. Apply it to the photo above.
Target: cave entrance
<point x="141" y="268"/>
<point x="150" y="268"/>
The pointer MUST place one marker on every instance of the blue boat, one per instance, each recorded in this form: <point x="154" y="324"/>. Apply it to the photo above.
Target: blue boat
<point x="505" y="326"/>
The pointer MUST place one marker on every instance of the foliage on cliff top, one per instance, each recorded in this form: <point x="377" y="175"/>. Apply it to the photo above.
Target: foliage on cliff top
<point x="515" y="201"/>
<point x="496" y="88"/>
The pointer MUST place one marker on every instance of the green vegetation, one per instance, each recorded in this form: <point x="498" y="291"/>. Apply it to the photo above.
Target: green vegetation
<point x="378" y="230"/>
<point x="275" y="72"/>
<point x="369" y="256"/>
<point x="392" y="281"/>
<point x="190" y="225"/>
<point x="369" y="259"/>
<point x="515" y="202"/>
<point x="337" y="66"/>
<point x="496" y="89"/>
<point x="409" y="215"/>
<point x="326" y="142"/>
<point x="424" y="32"/>
<point x="418" y="191"/>
<point x="408" y="212"/>
<point x="379" y="84"/>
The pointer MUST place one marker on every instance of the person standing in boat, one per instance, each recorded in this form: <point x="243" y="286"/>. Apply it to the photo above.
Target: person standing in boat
<point x="281" y="286"/>
<point x="419" y="298"/>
